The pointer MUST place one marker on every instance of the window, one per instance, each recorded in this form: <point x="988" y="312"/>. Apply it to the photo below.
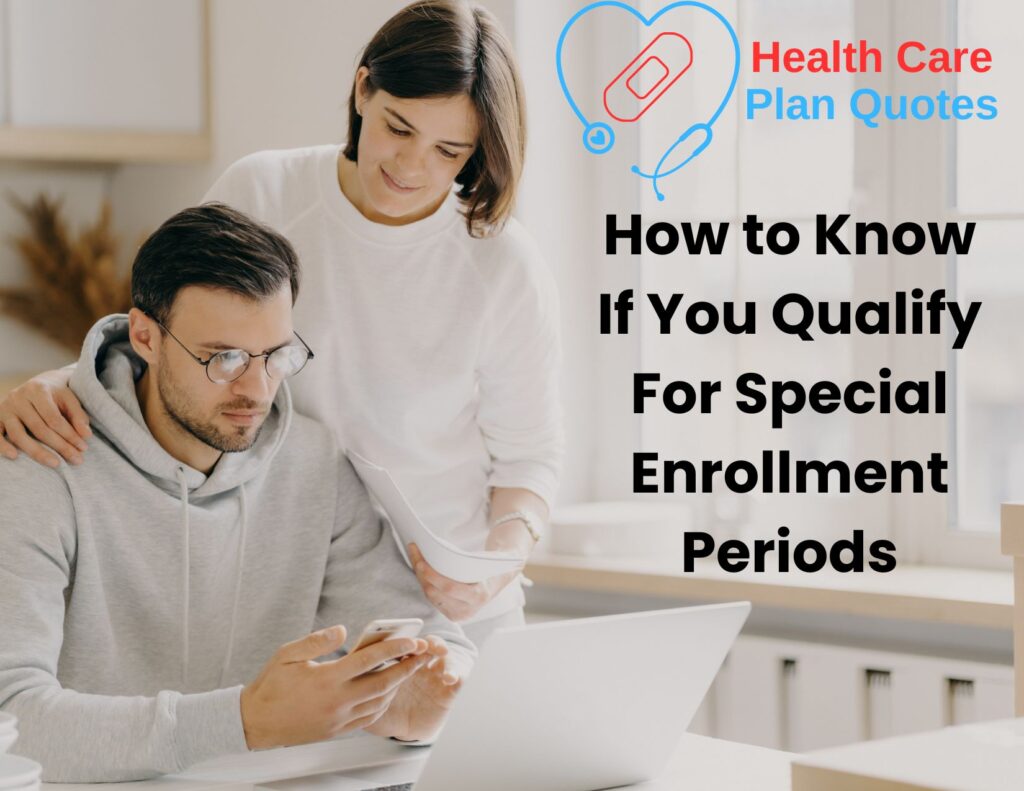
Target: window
<point x="909" y="170"/>
<point x="790" y="171"/>
<point x="780" y="171"/>
<point x="988" y="428"/>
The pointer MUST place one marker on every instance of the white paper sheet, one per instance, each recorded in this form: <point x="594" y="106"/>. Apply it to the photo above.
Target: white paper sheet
<point x="446" y="558"/>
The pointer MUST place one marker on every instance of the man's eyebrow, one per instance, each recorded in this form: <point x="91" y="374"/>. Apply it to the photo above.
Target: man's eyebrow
<point x="220" y="346"/>
<point x="413" y="128"/>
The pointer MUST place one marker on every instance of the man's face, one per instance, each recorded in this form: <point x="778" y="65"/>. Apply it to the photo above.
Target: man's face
<point x="227" y="417"/>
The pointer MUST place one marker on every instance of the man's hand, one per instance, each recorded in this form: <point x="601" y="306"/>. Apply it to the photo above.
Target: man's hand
<point x="295" y="700"/>
<point x="42" y="417"/>
<point x="421" y="705"/>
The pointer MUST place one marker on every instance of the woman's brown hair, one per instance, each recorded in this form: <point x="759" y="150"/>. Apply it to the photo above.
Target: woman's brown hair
<point x="446" y="48"/>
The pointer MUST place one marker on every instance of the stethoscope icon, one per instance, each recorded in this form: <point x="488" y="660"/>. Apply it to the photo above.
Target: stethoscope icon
<point x="599" y="137"/>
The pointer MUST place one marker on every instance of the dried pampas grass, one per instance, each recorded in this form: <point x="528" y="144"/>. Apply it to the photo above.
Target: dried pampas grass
<point x="73" y="282"/>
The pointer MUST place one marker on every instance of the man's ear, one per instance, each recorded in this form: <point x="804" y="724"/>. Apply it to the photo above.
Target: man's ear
<point x="144" y="334"/>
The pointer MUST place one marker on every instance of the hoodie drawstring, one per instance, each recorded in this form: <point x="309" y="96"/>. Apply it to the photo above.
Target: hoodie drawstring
<point x="186" y="581"/>
<point x="244" y="518"/>
<point x="186" y="584"/>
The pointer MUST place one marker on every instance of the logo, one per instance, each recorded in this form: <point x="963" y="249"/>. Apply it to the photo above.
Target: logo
<point x="650" y="79"/>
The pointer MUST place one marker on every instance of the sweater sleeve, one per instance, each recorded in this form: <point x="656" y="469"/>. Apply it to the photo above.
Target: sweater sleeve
<point x="367" y="577"/>
<point x="79" y="737"/>
<point x="520" y="412"/>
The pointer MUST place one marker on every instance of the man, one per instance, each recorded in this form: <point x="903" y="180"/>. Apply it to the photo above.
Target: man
<point x="156" y="601"/>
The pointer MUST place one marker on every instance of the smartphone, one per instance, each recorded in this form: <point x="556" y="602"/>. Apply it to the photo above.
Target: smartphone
<point x="387" y="629"/>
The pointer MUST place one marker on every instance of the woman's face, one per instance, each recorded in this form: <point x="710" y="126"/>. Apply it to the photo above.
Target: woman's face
<point x="410" y="151"/>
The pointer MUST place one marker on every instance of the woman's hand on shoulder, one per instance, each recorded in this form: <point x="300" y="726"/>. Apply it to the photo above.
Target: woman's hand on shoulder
<point x="43" y="418"/>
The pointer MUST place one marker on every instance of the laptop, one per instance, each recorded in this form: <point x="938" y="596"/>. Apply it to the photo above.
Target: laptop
<point x="576" y="705"/>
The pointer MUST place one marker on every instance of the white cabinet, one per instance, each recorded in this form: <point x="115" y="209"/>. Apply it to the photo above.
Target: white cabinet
<point x="108" y="80"/>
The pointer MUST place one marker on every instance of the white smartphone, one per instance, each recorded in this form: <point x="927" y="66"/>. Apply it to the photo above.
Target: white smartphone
<point x="387" y="629"/>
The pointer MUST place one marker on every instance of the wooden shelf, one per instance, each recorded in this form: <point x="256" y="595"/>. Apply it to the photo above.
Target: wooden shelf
<point x="100" y="146"/>
<point x="112" y="145"/>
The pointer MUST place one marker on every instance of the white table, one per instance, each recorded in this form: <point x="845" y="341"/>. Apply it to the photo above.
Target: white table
<point x="700" y="764"/>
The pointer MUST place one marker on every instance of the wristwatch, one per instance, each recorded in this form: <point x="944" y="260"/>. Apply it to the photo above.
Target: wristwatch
<point x="529" y="518"/>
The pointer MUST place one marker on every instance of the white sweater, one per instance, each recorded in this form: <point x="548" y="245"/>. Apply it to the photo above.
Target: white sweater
<point x="437" y="354"/>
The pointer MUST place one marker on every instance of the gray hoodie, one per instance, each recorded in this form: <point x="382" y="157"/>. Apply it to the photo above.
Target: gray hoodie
<point x="138" y="595"/>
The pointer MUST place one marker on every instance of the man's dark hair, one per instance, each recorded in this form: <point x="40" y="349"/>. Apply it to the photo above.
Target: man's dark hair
<point x="216" y="246"/>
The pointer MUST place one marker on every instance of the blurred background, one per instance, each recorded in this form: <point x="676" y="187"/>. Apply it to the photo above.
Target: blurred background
<point x="138" y="105"/>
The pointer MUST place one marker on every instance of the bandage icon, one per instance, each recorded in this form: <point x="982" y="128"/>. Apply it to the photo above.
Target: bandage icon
<point x="645" y="79"/>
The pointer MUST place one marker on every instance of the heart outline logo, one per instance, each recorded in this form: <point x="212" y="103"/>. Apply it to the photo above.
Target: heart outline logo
<point x="599" y="137"/>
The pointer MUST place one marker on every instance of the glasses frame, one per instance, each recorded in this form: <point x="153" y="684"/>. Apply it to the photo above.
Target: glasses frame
<point x="251" y="357"/>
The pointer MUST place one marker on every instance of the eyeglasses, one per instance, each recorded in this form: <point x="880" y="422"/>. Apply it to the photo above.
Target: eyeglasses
<point x="230" y="364"/>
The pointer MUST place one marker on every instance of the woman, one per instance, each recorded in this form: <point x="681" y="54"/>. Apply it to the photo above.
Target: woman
<point x="433" y="317"/>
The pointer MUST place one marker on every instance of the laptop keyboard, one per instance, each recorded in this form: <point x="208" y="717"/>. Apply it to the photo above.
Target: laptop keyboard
<point x="400" y="787"/>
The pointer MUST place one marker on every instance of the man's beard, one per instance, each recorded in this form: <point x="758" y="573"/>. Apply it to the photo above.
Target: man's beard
<point x="178" y="405"/>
